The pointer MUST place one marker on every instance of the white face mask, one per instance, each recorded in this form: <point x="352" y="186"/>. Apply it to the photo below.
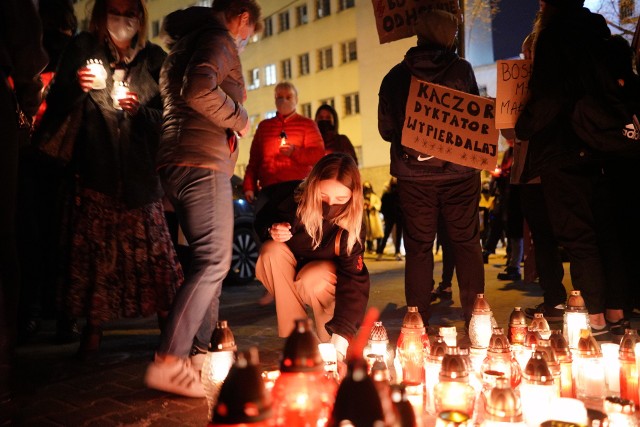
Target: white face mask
<point x="121" y="28"/>
<point x="241" y="43"/>
<point x="285" y="106"/>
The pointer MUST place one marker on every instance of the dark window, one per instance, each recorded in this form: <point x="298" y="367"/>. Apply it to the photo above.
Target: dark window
<point x="303" y="61"/>
<point x="302" y="15"/>
<point x="268" y="27"/>
<point x="349" y="51"/>
<point x="286" y="69"/>
<point x="351" y="104"/>
<point x="283" y="19"/>
<point x="323" y="8"/>
<point x="346" y="4"/>
<point x="325" y="58"/>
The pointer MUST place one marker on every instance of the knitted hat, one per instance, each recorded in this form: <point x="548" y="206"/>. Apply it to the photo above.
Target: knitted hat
<point x="437" y="27"/>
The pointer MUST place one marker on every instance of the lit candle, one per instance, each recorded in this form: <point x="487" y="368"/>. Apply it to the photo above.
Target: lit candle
<point x="378" y="345"/>
<point x="589" y="369"/>
<point x="540" y="324"/>
<point x="611" y="368"/>
<point x="98" y="70"/>
<point x="283" y="138"/>
<point x="563" y="353"/>
<point x="217" y="362"/>
<point x="536" y="390"/>
<point x="413" y="345"/>
<point x="567" y="411"/>
<point x="453" y="392"/>
<point x="628" y="367"/>
<point x="432" y="367"/>
<point x="481" y="324"/>
<point x="637" y="351"/>
<point x="120" y="90"/>
<point x="449" y="334"/>
<point x="517" y="326"/>
<point x="576" y="318"/>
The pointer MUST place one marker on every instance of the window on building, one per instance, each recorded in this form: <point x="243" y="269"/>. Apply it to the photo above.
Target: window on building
<point x="155" y="28"/>
<point x="306" y="109"/>
<point x="627" y="9"/>
<point x="285" y="66"/>
<point x="346" y="4"/>
<point x="283" y="21"/>
<point x="270" y="75"/>
<point x="268" y="27"/>
<point x="351" y="104"/>
<point x="303" y="63"/>
<point x="270" y="114"/>
<point x="302" y="15"/>
<point x="325" y="58"/>
<point x="328" y="101"/>
<point x="254" y="78"/>
<point x="349" y="51"/>
<point x="323" y="8"/>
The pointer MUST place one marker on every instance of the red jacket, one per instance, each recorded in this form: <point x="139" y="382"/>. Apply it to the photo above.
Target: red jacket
<point x="267" y="166"/>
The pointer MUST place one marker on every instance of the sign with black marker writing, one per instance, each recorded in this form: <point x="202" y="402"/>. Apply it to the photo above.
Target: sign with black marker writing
<point x="451" y="125"/>
<point x="512" y="91"/>
<point x="395" y="18"/>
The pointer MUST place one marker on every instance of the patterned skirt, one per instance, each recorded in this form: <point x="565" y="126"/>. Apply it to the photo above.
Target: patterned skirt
<point x="120" y="262"/>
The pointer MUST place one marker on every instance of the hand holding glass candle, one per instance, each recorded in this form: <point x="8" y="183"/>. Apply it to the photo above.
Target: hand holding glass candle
<point x="97" y="69"/>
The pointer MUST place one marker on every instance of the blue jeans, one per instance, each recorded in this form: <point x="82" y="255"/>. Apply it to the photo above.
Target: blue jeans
<point x="203" y="202"/>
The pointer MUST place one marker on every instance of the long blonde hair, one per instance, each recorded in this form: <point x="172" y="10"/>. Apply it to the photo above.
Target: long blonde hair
<point x="343" y="169"/>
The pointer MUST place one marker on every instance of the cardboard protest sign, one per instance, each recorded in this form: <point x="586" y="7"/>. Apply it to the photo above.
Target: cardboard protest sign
<point x="395" y="18"/>
<point x="450" y="125"/>
<point x="512" y="91"/>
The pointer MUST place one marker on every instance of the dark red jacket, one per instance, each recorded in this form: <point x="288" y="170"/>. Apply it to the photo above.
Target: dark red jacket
<point x="267" y="166"/>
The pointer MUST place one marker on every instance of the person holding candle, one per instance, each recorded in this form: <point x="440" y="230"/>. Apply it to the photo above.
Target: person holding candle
<point x="283" y="151"/>
<point x="203" y="91"/>
<point x="118" y="259"/>
<point x="432" y="190"/>
<point x="313" y="252"/>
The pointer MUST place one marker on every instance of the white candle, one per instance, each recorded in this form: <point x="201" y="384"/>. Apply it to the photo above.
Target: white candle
<point x="611" y="367"/>
<point x="98" y="70"/>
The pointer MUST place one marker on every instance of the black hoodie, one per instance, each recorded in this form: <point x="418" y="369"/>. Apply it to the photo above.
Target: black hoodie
<point x="432" y="64"/>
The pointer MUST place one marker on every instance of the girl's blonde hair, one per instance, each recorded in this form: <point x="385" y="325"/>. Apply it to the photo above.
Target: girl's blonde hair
<point x="343" y="169"/>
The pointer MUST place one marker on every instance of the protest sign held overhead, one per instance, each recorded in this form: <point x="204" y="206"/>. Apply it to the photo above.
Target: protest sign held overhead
<point x="395" y="18"/>
<point x="512" y="91"/>
<point x="450" y="125"/>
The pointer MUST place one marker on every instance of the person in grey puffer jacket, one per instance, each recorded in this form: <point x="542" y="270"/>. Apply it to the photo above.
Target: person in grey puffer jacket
<point x="203" y="89"/>
<point x="430" y="188"/>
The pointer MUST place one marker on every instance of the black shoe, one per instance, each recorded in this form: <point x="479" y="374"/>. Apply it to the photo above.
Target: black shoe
<point x="442" y="294"/>
<point x="434" y="297"/>
<point x="618" y="328"/>
<point x="551" y="313"/>
<point x="510" y="274"/>
<point x="485" y="256"/>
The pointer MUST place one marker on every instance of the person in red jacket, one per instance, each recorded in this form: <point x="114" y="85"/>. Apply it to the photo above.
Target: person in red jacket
<point x="283" y="150"/>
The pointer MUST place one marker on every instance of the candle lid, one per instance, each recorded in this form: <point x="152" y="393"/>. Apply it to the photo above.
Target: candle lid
<point x="517" y="317"/>
<point x="540" y="324"/>
<point x="587" y="345"/>
<point x="301" y="352"/>
<point x="503" y="405"/>
<point x="222" y="338"/>
<point x="481" y="305"/>
<point x="378" y="333"/>
<point x="243" y="397"/>
<point x="438" y="349"/>
<point x="548" y="352"/>
<point x="560" y="346"/>
<point x="628" y="343"/>
<point x="454" y="365"/>
<point x="412" y="319"/>
<point x="531" y="338"/>
<point x="499" y="342"/>
<point x="575" y="302"/>
<point x="537" y="370"/>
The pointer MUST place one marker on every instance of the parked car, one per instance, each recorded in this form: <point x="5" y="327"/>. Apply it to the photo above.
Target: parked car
<point x="246" y="246"/>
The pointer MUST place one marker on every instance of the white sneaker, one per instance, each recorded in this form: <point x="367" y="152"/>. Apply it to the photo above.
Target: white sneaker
<point x="177" y="378"/>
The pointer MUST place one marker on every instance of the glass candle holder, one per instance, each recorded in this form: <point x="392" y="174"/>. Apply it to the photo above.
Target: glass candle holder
<point x="517" y="326"/>
<point x="563" y="354"/>
<point x="453" y="392"/>
<point x="481" y="324"/>
<point x="217" y="362"/>
<point x="536" y="390"/>
<point x="432" y="367"/>
<point x="540" y="324"/>
<point x="449" y="334"/>
<point x="97" y="69"/>
<point x="378" y="345"/>
<point x="628" y="367"/>
<point x="611" y="368"/>
<point x="120" y="90"/>
<point x="589" y="368"/>
<point x="576" y="318"/>
<point x="413" y="346"/>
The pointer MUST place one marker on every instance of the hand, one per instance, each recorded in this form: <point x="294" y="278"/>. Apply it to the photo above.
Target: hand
<point x="287" y="149"/>
<point x="85" y="78"/>
<point x="250" y="196"/>
<point x="342" y="370"/>
<point x="280" y="232"/>
<point x="130" y="103"/>
<point x="246" y="130"/>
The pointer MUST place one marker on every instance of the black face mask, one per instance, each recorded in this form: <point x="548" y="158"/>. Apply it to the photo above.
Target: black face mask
<point x="332" y="211"/>
<point x="326" y="126"/>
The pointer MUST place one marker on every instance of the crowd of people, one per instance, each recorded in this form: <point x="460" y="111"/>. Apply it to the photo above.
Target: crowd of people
<point x="128" y="130"/>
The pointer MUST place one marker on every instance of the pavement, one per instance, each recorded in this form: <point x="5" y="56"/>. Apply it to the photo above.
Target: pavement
<point x="53" y="388"/>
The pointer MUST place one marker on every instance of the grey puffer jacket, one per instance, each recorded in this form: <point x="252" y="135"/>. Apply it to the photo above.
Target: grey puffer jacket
<point x="433" y="64"/>
<point x="202" y="89"/>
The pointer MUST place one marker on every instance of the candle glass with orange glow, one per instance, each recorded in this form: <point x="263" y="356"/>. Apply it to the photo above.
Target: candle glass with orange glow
<point x="540" y="324"/>
<point x="217" y="362"/>
<point x="517" y="326"/>
<point x="537" y="390"/>
<point x="378" y="345"/>
<point x="628" y="366"/>
<point x="432" y="368"/>
<point x="502" y="407"/>
<point x="413" y="346"/>
<point x="563" y="354"/>
<point x="302" y="394"/>
<point x="453" y="392"/>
